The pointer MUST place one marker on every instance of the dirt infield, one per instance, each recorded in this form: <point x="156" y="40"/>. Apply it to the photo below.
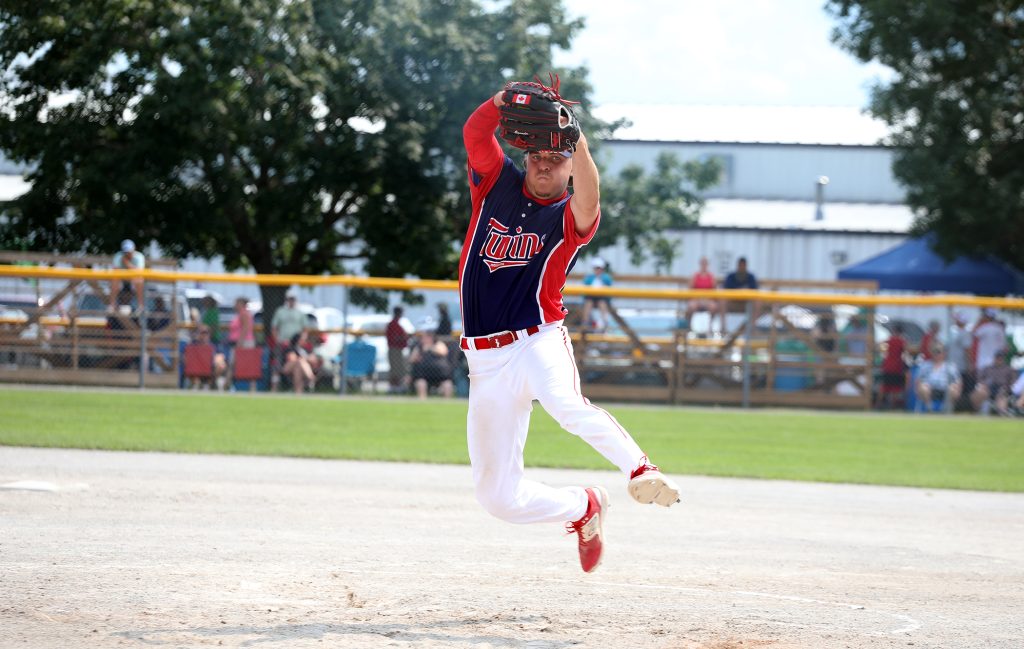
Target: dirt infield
<point x="101" y="549"/>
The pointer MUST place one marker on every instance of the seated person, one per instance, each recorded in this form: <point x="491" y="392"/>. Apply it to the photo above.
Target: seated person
<point x="993" y="387"/>
<point x="599" y="277"/>
<point x="431" y="366"/>
<point x="741" y="278"/>
<point x="127" y="259"/>
<point x="160" y="318"/>
<point x="703" y="279"/>
<point x="220" y="363"/>
<point x="937" y="380"/>
<point x="300" y="365"/>
<point x="1017" y="395"/>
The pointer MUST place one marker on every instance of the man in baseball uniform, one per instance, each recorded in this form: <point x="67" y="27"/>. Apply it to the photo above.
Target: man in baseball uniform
<point x="524" y="236"/>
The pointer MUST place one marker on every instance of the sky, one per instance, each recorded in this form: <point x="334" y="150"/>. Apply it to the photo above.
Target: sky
<point x="716" y="52"/>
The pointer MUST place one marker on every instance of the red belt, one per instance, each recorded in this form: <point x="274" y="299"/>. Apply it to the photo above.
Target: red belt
<point x="495" y="341"/>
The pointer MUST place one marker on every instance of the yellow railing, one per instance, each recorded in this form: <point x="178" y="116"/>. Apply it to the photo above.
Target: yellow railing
<point x="402" y="284"/>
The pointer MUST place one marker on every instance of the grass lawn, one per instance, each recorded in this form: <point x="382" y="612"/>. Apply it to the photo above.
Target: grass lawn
<point x="928" y="451"/>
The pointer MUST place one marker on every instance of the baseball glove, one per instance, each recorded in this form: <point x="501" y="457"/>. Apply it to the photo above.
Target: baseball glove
<point x="536" y="118"/>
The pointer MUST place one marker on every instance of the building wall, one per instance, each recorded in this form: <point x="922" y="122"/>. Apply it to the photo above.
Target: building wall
<point x="770" y="253"/>
<point x="857" y="174"/>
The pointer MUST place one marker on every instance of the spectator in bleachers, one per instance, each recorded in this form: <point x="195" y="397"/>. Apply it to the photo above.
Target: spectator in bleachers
<point x="241" y="330"/>
<point x="854" y="341"/>
<point x="825" y="334"/>
<point x="958" y="351"/>
<point x="202" y="335"/>
<point x="287" y="323"/>
<point x="894" y="370"/>
<point x="301" y="365"/>
<point x="444" y="322"/>
<point x="993" y="387"/>
<point x="211" y="318"/>
<point x="928" y="339"/>
<point x="288" y="320"/>
<point x="703" y="279"/>
<point x="989" y="339"/>
<point x="127" y="259"/>
<point x="160" y="318"/>
<point x="599" y="276"/>
<point x="741" y="278"/>
<point x="398" y="340"/>
<point x="938" y="380"/>
<point x="431" y="366"/>
<point x="1017" y="396"/>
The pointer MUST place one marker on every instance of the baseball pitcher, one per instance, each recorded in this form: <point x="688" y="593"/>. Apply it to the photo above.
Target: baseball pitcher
<point x="524" y="236"/>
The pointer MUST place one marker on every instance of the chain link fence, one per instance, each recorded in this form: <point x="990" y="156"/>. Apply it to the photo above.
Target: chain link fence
<point x="645" y="340"/>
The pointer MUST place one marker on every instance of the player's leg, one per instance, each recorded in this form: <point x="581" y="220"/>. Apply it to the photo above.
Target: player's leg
<point x="555" y="382"/>
<point x="115" y="289"/>
<point x="497" y="426"/>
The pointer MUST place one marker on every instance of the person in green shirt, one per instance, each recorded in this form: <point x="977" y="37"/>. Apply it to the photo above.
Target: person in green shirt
<point x="211" y="318"/>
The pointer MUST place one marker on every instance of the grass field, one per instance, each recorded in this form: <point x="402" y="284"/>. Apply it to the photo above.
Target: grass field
<point x="927" y="451"/>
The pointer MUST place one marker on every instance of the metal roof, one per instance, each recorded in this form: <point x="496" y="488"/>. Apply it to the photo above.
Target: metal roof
<point x="806" y="125"/>
<point x="800" y="215"/>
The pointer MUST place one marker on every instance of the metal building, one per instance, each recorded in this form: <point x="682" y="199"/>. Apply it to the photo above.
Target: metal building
<point x="804" y="190"/>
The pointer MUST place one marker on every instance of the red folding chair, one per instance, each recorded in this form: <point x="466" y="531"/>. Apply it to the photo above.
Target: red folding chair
<point x="248" y="365"/>
<point x="198" y="362"/>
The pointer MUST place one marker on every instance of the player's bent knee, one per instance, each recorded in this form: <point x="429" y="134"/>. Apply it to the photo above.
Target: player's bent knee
<point x="496" y="503"/>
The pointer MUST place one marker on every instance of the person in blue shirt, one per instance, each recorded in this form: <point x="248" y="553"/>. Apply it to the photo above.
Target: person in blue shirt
<point x="738" y="279"/>
<point x="598" y="277"/>
<point x="741" y="277"/>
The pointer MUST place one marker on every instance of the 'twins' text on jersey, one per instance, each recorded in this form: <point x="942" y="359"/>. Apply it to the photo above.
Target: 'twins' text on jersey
<point x="517" y="253"/>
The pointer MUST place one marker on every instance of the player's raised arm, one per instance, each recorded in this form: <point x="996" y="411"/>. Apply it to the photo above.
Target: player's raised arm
<point x="586" y="196"/>
<point x="485" y="155"/>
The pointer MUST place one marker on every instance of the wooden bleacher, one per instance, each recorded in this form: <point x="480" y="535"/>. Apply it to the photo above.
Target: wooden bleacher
<point x="61" y="342"/>
<point x="788" y="365"/>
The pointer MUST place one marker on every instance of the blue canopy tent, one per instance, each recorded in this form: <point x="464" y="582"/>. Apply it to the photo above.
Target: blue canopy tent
<point x="914" y="266"/>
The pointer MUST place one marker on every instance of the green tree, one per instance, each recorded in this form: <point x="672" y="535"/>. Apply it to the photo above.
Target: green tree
<point x="289" y="137"/>
<point x="956" y="107"/>
<point x="640" y="208"/>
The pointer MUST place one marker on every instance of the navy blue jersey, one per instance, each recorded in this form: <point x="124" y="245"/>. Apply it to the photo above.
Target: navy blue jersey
<point x="518" y="248"/>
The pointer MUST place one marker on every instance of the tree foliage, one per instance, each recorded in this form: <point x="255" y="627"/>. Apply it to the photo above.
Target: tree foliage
<point x="956" y="107"/>
<point x="640" y="208"/>
<point x="289" y="137"/>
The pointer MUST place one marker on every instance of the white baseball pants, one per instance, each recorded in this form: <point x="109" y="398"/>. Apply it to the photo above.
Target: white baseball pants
<point x="503" y="384"/>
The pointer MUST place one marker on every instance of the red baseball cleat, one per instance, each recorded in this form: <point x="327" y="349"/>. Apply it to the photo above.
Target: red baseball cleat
<point x="590" y="529"/>
<point x="647" y="485"/>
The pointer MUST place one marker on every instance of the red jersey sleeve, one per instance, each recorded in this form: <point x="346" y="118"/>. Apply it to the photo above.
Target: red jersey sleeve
<point x="482" y="148"/>
<point x="572" y="237"/>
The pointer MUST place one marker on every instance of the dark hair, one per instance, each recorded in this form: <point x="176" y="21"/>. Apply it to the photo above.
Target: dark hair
<point x="741" y="260"/>
<point x="397" y="311"/>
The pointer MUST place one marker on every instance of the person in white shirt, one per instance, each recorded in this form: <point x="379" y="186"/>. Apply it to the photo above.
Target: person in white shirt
<point x="937" y="380"/>
<point x="128" y="259"/>
<point x="990" y="339"/>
